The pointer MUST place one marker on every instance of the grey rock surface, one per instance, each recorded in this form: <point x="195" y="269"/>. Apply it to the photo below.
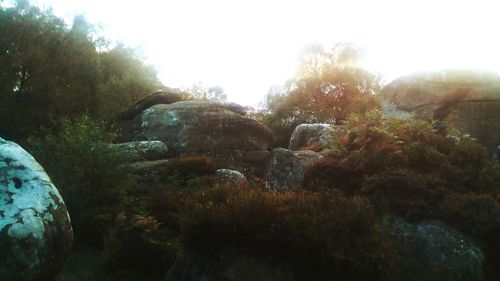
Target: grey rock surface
<point x="286" y="168"/>
<point x="317" y="136"/>
<point x="35" y="229"/>
<point x="431" y="251"/>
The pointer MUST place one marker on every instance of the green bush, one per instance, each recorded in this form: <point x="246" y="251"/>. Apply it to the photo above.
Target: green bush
<point x="371" y="145"/>
<point x="320" y="234"/>
<point x="86" y="171"/>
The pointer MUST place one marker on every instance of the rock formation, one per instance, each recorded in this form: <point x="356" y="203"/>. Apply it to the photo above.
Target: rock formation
<point x="35" y="230"/>
<point x="469" y="101"/>
<point x="312" y="136"/>
<point x="286" y="169"/>
<point x="431" y="251"/>
<point x="160" y="97"/>
<point x="199" y="127"/>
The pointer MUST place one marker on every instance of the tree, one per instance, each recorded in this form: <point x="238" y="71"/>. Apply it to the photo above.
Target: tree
<point x="201" y="91"/>
<point x="329" y="85"/>
<point x="48" y="70"/>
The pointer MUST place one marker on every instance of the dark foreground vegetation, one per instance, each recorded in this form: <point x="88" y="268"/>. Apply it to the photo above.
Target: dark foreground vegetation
<point x="61" y="87"/>
<point x="333" y="228"/>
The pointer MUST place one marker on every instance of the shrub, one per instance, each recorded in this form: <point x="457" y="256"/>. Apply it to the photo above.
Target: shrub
<point x="86" y="171"/>
<point x="404" y="193"/>
<point x="321" y="234"/>
<point x="139" y="243"/>
<point x="371" y="145"/>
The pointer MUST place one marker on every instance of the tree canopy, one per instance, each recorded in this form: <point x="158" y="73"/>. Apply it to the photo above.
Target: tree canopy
<point x="48" y="69"/>
<point x="329" y="85"/>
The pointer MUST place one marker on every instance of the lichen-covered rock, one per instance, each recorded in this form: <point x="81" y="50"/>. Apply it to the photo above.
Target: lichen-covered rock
<point x="200" y="126"/>
<point x="431" y="251"/>
<point x="141" y="150"/>
<point x="233" y="177"/>
<point x="469" y="101"/>
<point x="286" y="168"/>
<point x="229" y="266"/>
<point x="35" y="230"/>
<point x="312" y="136"/>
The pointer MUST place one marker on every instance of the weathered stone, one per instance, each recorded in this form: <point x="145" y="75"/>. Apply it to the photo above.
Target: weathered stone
<point x="198" y="126"/>
<point x="312" y="136"/>
<point x="141" y="150"/>
<point x="431" y="251"/>
<point x="469" y="101"/>
<point x="286" y="168"/>
<point x="233" y="177"/>
<point x="160" y="97"/>
<point x="230" y="266"/>
<point x="35" y="230"/>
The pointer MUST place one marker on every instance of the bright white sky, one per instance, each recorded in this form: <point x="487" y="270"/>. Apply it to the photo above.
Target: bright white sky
<point x="248" y="46"/>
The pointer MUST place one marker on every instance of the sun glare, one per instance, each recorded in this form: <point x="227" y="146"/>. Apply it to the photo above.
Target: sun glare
<point x="248" y="46"/>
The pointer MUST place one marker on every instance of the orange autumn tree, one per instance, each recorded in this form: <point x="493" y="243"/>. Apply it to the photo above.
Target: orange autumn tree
<point x="329" y="85"/>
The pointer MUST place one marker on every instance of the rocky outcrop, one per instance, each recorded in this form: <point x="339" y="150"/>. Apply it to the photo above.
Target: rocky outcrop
<point x="469" y="101"/>
<point x="141" y="151"/>
<point x="431" y="251"/>
<point x="160" y="97"/>
<point x="286" y="168"/>
<point x="194" y="127"/>
<point x="198" y="126"/>
<point x="233" y="177"/>
<point x="230" y="266"/>
<point x="312" y="136"/>
<point x="35" y="230"/>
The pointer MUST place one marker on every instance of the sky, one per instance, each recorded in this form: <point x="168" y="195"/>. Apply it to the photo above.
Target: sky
<point x="248" y="46"/>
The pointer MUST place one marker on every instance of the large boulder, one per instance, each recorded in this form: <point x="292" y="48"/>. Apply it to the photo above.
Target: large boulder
<point x="199" y="126"/>
<point x="286" y="168"/>
<point x="429" y="251"/>
<point x="469" y="101"/>
<point x="312" y="136"/>
<point x="218" y="130"/>
<point x="229" y="265"/>
<point x="35" y="230"/>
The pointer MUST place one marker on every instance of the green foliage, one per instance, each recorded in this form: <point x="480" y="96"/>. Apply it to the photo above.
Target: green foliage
<point x="329" y="86"/>
<point x="86" y="171"/>
<point x="321" y="234"/>
<point x="48" y="70"/>
<point x="407" y="168"/>
<point x="371" y="145"/>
